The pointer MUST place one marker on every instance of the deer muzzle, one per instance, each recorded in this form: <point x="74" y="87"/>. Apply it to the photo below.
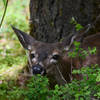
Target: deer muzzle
<point x="38" y="69"/>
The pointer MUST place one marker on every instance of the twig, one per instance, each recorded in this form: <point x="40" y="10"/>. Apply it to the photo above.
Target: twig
<point x="61" y="75"/>
<point x="4" y="13"/>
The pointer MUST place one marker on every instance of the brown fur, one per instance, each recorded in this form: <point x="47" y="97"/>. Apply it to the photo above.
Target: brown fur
<point x="61" y="69"/>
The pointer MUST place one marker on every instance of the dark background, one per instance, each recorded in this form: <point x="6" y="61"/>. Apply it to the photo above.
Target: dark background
<point x="50" y="19"/>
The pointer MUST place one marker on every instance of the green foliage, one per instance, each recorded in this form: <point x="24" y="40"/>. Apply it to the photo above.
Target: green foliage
<point x="77" y="26"/>
<point x="17" y="15"/>
<point x="12" y="56"/>
<point x="9" y="91"/>
<point x="75" y="51"/>
<point x="38" y="88"/>
<point x="88" y="86"/>
<point x="80" y="52"/>
<point x="19" y="19"/>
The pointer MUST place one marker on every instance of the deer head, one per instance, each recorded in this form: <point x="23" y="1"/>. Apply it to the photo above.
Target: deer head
<point x="50" y="58"/>
<point x="44" y="58"/>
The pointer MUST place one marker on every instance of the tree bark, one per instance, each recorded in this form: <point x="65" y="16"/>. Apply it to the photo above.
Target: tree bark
<point x="50" y="19"/>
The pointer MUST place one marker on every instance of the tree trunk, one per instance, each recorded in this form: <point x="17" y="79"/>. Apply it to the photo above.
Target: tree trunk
<point x="50" y="19"/>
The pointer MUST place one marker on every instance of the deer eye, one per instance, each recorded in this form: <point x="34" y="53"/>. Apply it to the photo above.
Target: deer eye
<point x="32" y="55"/>
<point x="56" y="57"/>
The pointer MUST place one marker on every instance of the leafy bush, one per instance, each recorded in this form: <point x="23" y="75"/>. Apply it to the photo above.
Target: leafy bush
<point x="80" y="52"/>
<point x="84" y="89"/>
<point x="38" y="88"/>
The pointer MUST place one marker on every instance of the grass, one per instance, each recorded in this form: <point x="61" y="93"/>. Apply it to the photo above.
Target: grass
<point x="12" y="55"/>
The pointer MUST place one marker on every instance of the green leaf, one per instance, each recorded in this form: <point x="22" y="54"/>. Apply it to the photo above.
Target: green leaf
<point x="98" y="78"/>
<point x="77" y="44"/>
<point x="78" y="27"/>
<point x="73" y="21"/>
<point x="4" y="2"/>
<point x="92" y="51"/>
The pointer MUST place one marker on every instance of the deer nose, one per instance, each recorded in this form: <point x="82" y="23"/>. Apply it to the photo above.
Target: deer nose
<point x="38" y="69"/>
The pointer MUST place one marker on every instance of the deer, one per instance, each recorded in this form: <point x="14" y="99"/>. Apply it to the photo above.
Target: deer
<point x="52" y="59"/>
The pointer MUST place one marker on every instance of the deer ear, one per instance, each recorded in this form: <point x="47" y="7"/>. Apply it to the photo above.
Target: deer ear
<point x="25" y="39"/>
<point x="76" y="36"/>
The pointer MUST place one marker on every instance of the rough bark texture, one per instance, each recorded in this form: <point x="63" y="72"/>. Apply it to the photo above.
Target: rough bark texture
<point x="50" y="19"/>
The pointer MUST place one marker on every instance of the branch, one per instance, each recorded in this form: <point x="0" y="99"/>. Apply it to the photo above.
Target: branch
<point x="4" y="13"/>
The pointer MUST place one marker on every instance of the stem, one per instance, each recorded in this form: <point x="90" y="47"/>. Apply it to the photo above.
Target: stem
<point x="4" y="13"/>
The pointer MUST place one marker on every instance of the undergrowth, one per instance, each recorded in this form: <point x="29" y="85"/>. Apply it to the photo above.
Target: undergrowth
<point x="12" y="55"/>
<point x="37" y="88"/>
